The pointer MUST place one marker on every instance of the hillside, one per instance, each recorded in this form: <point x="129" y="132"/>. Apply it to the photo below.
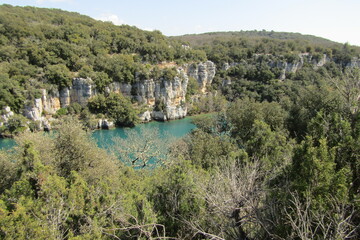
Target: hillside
<point x="278" y="157"/>
<point x="206" y="38"/>
<point x="230" y="47"/>
<point x="46" y="48"/>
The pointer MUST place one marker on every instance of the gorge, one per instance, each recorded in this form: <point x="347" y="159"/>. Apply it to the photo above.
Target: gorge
<point x="229" y="135"/>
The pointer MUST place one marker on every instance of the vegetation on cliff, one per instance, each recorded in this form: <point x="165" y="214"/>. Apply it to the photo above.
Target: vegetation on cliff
<point x="46" y="48"/>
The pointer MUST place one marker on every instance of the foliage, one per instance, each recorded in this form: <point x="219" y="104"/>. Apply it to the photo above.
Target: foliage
<point x="169" y="73"/>
<point x="212" y="102"/>
<point x="277" y="158"/>
<point x="210" y="151"/>
<point x="159" y="105"/>
<point x="116" y="107"/>
<point x="61" y="112"/>
<point x="58" y="74"/>
<point x="43" y="47"/>
<point x="176" y="196"/>
<point x="15" y="125"/>
<point x="74" y="108"/>
<point x="192" y="88"/>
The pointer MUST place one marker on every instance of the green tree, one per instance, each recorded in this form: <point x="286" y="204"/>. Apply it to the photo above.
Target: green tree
<point x="10" y="93"/>
<point x="58" y="74"/>
<point x="272" y="148"/>
<point x="314" y="170"/>
<point x="75" y="151"/>
<point x="177" y="200"/>
<point x="116" y="107"/>
<point x="210" y="151"/>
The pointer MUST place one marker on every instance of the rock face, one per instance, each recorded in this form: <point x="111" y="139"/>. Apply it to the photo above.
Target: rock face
<point x="105" y="124"/>
<point x="169" y="92"/>
<point x="145" y="116"/>
<point x="355" y="62"/>
<point x="82" y="89"/>
<point x="293" y="67"/>
<point x="64" y="97"/>
<point x="50" y="103"/>
<point x="36" y="112"/>
<point x="204" y="73"/>
<point x="7" y="114"/>
<point x="288" y="67"/>
<point x="40" y="107"/>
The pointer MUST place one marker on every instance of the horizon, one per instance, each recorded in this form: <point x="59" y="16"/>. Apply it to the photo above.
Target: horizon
<point x="187" y="18"/>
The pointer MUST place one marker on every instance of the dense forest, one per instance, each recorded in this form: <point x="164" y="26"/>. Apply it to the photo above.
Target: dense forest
<point x="277" y="158"/>
<point x="47" y="48"/>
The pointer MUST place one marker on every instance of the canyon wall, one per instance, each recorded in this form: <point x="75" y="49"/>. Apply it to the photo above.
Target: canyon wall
<point x="290" y="67"/>
<point x="171" y="92"/>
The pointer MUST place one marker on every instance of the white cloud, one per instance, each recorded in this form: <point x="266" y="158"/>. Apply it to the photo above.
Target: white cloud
<point x="111" y="18"/>
<point x="147" y="29"/>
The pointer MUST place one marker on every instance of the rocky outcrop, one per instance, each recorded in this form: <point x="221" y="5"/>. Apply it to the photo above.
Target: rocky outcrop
<point x="80" y="92"/>
<point x="105" y="124"/>
<point x="51" y="103"/>
<point x="5" y="116"/>
<point x="35" y="113"/>
<point x="170" y="92"/>
<point x="159" y="115"/>
<point x="286" y="67"/>
<point x="204" y="73"/>
<point x="355" y="62"/>
<point x="145" y="116"/>
<point x="322" y="61"/>
<point x="82" y="89"/>
<point x="64" y="97"/>
<point x="124" y="88"/>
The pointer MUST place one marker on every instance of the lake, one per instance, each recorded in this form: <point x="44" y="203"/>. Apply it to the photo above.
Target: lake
<point x="103" y="138"/>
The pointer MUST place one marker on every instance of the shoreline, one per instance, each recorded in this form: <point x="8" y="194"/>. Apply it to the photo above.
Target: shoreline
<point x="12" y="136"/>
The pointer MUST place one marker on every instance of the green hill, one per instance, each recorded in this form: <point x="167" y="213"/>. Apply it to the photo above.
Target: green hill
<point x="235" y="46"/>
<point x="45" y="48"/>
<point x="200" y="39"/>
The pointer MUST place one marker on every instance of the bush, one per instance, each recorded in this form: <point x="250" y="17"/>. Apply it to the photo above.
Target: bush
<point x="159" y="105"/>
<point x="116" y="107"/>
<point x="192" y="87"/>
<point x="17" y="124"/>
<point x="74" y="108"/>
<point x="61" y="112"/>
<point x="169" y="73"/>
<point x="58" y="74"/>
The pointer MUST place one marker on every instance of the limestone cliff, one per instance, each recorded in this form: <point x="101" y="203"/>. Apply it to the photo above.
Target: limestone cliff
<point x="355" y="62"/>
<point x="204" y="73"/>
<point x="288" y="67"/>
<point x="6" y="115"/>
<point x="171" y="92"/>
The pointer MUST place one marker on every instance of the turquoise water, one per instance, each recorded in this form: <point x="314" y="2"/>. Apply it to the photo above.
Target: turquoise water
<point x="6" y="143"/>
<point x="103" y="138"/>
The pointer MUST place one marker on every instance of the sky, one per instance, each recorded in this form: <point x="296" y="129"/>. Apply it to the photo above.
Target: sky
<point x="337" y="20"/>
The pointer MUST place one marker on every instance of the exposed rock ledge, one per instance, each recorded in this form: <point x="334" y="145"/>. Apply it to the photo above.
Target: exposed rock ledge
<point x="171" y="92"/>
<point x="7" y="114"/>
